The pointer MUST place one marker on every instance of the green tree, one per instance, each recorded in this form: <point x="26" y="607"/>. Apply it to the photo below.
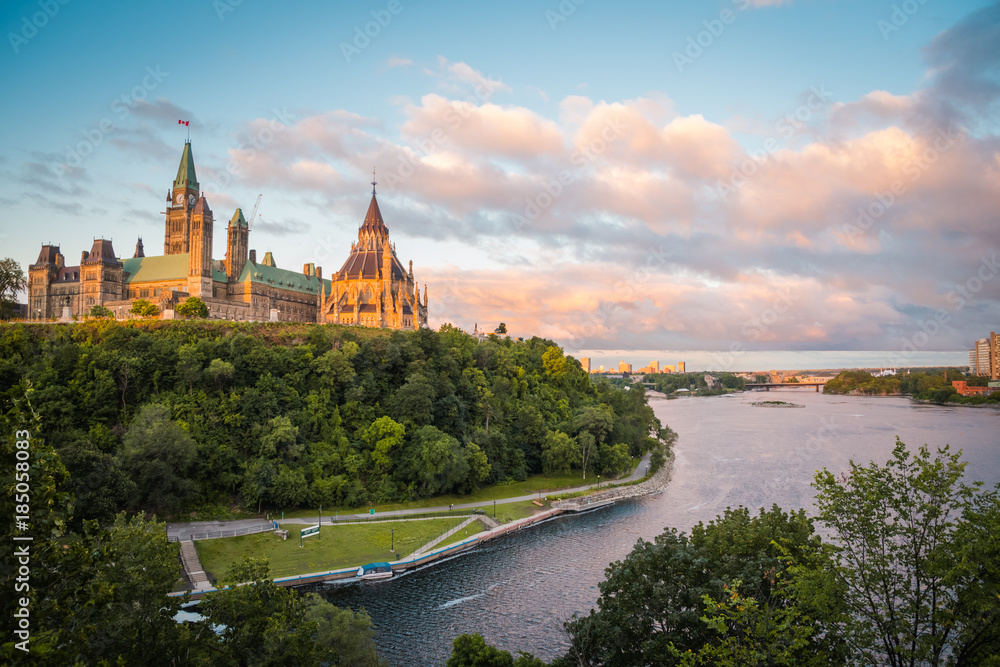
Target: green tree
<point x="221" y="372"/>
<point x="260" y="623"/>
<point x="502" y="329"/>
<point x="189" y="365"/>
<point x="554" y="363"/>
<point x="442" y="463"/>
<point x="615" y="459"/>
<point x="99" y="311"/>
<point x="899" y="565"/>
<point x="144" y="308"/>
<point x="651" y="604"/>
<point x="750" y="634"/>
<point x="479" y="466"/>
<point x="133" y="561"/>
<point x="159" y="455"/>
<point x="12" y="282"/>
<point x="588" y="447"/>
<point x="346" y="637"/>
<point x="559" y="453"/>
<point x="473" y="651"/>
<point x="413" y="403"/>
<point x="383" y="436"/>
<point x="192" y="307"/>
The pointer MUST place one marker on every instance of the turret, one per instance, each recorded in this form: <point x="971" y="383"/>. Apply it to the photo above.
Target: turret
<point x="237" y="243"/>
<point x="200" y="257"/>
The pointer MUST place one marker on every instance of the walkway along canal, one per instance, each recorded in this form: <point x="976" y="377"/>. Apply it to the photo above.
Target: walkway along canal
<point x="427" y="554"/>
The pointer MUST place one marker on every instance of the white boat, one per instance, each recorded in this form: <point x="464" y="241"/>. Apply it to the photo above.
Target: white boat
<point x="375" y="571"/>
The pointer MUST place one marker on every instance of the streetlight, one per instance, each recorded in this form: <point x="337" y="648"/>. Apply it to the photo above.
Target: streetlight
<point x="598" y="481"/>
<point x="392" y="538"/>
<point x="494" y="510"/>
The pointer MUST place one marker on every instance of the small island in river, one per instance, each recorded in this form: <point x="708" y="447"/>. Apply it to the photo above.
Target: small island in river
<point x="775" y="404"/>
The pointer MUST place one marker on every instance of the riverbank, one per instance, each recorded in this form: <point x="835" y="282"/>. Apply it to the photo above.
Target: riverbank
<point x="600" y="498"/>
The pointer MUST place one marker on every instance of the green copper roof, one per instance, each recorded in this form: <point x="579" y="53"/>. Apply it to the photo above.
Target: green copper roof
<point x="148" y="269"/>
<point x="186" y="178"/>
<point x="268" y="260"/>
<point x="175" y="267"/>
<point x="164" y="267"/>
<point x="238" y="218"/>
<point x="282" y="278"/>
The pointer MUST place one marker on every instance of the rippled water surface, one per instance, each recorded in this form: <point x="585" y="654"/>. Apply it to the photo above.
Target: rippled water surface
<point x="518" y="590"/>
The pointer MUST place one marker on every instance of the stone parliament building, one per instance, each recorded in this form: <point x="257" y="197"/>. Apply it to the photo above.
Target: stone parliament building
<point x="371" y="289"/>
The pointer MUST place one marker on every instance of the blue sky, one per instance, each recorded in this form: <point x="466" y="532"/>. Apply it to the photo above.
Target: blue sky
<point x="591" y="271"/>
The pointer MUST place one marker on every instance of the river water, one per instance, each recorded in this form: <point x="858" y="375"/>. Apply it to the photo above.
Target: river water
<point x="518" y="590"/>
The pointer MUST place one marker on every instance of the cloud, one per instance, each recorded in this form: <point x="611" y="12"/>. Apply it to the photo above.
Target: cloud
<point x="280" y="227"/>
<point x="605" y="224"/>
<point x="461" y="78"/>
<point x="398" y="62"/>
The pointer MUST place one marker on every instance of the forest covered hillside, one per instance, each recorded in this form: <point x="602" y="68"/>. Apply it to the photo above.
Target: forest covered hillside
<point x="167" y="417"/>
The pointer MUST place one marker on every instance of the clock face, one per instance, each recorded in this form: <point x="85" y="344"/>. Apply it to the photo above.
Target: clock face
<point x="191" y="200"/>
<point x="179" y="198"/>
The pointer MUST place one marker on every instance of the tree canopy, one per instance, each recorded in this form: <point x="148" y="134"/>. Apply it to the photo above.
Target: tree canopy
<point x="12" y="281"/>
<point x="192" y="307"/>
<point x="170" y="416"/>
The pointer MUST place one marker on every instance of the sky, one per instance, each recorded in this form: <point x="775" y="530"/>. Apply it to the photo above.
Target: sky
<point x="727" y="177"/>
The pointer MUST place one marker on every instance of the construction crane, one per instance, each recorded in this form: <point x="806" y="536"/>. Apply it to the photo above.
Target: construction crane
<point x="253" y="215"/>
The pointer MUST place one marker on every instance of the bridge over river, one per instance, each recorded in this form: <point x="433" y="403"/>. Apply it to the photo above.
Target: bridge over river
<point x="767" y="386"/>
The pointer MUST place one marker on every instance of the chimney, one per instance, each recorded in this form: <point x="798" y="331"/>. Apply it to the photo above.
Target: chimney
<point x="253" y="256"/>
<point x="84" y="255"/>
<point x="319" y="272"/>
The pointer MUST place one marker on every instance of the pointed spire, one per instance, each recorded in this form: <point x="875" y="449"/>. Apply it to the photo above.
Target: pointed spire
<point x="268" y="260"/>
<point x="374" y="182"/>
<point x="373" y="220"/>
<point x="238" y="220"/>
<point x="138" y="249"/>
<point x="186" y="178"/>
<point x="201" y="207"/>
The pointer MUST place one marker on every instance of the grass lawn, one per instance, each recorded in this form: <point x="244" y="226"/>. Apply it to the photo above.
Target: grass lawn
<point x="340" y="546"/>
<point x="470" y="530"/>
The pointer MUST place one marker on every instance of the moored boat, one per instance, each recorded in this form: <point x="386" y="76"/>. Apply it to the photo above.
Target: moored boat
<point x="375" y="571"/>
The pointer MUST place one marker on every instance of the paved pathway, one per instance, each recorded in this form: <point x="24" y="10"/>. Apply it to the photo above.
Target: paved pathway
<point x="192" y="567"/>
<point x="185" y="529"/>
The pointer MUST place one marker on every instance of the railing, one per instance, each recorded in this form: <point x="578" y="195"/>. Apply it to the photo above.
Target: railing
<point x="350" y="518"/>
<point x="213" y="534"/>
<point x="375" y="518"/>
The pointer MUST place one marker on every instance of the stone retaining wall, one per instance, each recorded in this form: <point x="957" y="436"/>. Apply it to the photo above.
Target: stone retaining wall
<point x="657" y="482"/>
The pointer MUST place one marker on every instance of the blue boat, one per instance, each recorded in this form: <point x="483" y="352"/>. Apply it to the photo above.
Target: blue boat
<point x="375" y="571"/>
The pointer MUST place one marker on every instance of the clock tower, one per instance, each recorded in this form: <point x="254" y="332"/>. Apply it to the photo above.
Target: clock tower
<point x="181" y="201"/>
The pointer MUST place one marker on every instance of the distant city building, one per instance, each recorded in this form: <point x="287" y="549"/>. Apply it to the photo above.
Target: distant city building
<point x="669" y="369"/>
<point x="680" y="366"/>
<point x="964" y="389"/>
<point x="994" y="356"/>
<point x="654" y="367"/>
<point x="979" y="357"/>
<point x="585" y="363"/>
<point x="624" y="367"/>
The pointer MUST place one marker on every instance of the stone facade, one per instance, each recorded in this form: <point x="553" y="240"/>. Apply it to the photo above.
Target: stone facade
<point x="370" y="290"/>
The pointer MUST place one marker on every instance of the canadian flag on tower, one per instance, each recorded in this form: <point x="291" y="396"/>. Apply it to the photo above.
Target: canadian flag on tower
<point x="184" y="122"/>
